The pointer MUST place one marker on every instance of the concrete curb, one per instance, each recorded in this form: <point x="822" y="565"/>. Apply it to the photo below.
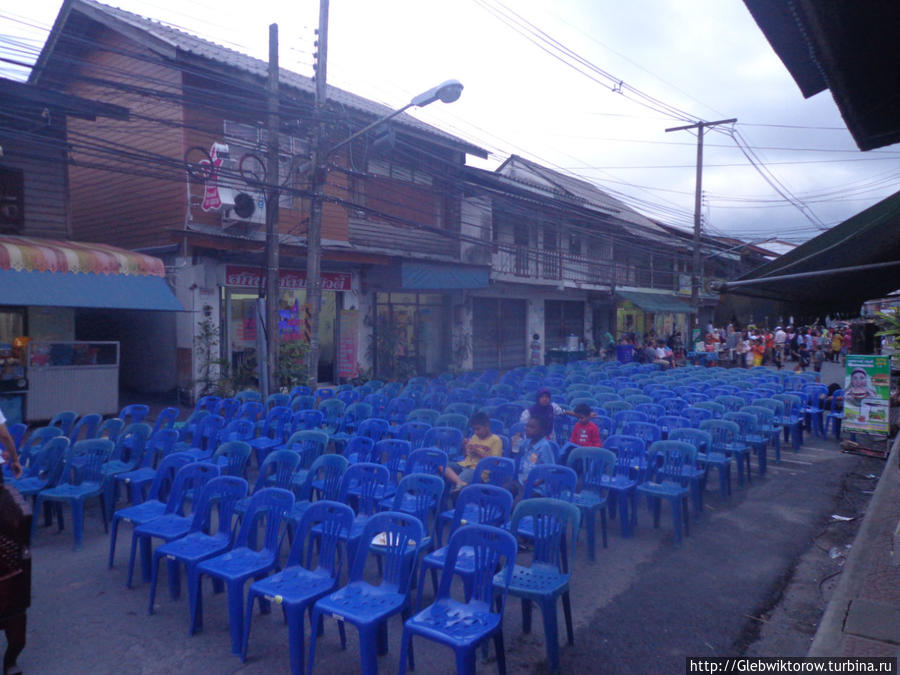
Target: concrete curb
<point x="830" y="634"/>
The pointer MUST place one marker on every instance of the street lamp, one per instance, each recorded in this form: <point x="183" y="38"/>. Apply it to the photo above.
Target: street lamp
<point x="447" y="92"/>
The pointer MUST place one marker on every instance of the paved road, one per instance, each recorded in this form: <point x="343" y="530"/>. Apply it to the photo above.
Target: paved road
<point x="642" y="607"/>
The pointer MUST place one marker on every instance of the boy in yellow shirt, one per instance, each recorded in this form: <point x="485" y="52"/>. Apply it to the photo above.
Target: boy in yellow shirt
<point x="482" y="444"/>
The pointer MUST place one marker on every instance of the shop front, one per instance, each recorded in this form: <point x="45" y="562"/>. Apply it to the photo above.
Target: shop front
<point x="642" y="312"/>
<point x="240" y="296"/>
<point x="53" y="357"/>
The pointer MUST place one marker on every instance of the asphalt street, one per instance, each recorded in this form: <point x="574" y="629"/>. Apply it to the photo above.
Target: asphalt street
<point x="643" y="605"/>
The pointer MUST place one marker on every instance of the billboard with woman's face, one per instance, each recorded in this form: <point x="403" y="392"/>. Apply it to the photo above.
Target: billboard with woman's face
<point x="867" y="390"/>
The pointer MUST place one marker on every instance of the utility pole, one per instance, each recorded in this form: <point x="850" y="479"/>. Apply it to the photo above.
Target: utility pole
<point x="273" y="333"/>
<point x="696" y="272"/>
<point x="317" y="190"/>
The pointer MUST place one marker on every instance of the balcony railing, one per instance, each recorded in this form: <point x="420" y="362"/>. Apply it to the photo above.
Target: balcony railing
<point x="529" y="263"/>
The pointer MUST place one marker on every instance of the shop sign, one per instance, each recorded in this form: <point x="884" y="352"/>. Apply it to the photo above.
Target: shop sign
<point x="867" y="390"/>
<point x="253" y="277"/>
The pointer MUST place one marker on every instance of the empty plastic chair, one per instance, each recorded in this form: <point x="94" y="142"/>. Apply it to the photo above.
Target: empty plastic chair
<point x="667" y="479"/>
<point x="242" y="562"/>
<point x="592" y="464"/>
<point x="490" y="548"/>
<point x="134" y="413"/>
<point x="64" y="420"/>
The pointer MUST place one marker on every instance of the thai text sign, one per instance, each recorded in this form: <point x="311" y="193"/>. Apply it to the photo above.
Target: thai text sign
<point x="253" y="277"/>
<point x="867" y="390"/>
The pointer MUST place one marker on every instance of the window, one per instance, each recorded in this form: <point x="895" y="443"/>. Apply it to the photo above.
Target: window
<point x="395" y="171"/>
<point x="243" y="139"/>
<point x="574" y="243"/>
<point x="12" y="200"/>
<point x="561" y="319"/>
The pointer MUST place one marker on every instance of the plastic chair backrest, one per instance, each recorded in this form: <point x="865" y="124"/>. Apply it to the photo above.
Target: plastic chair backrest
<point x="277" y="470"/>
<point x="88" y="456"/>
<point x="329" y="469"/>
<point x="46" y="462"/>
<point x="227" y="408"/>
<point x="623" y="416"/>
<point x="696" y="415"/>
<point x="64" y="420"/>
<point x="700" y="439"/>
<point x="276" y="422"/>
<point x="550" y="520"/>
<point x="489" y="548"/>
<point x="456" y="420"/>
<point x="593" y="463"/>
<point x="668" y="422"/>
<point x="301" y="390"/>
<point x="392" y="452"/>
<point x="190" y="477"/>
<point x="333" y="409"/>
<point x="160" y="445"/>
<point x="649" y="431"/>
<point x="731" y="402"/>
<point x="355" y="413"/>
<point x="164" y="480"/>
<point x="629" y="450"/>
<point x="716" y="409"/>
<point x="370" y="479"/>
<point x="348" y="397"/>
<point x="491" y="503"/>
<point x="723" y="431"/>
<point x="552" y="480"/>
<point x="667" y="461"/>
<point x="448" y="439"/>
<point x="495" y="470"/>
<point x="222" y="494"/>
<point x="331" y="519"/>
<point x="248" y="395"/>
<point x="35" y="440"/>
<point x="250" y="410"/>
<point x="307" y="419"/>
<point x="764" y="416"/>
<point x="747" y="422"/>
<point x="414" y="432"/>
<point x="110" y="428"/>
<point x="238" y="430"/>
<point x="426" y="415"/>
<point x="421" y="495"/>
<point x="427" y="460"/>
<point x="269" y="505"/>
<point x="361" y="446"/>
<point x="303" y="402"/>
<point x="236" y="455"/>
<point x="375" y="428"/>
<point x="277" y="400"/>
<point x="132" y="442"/>
<point x="309" y="444"/>
<point x="651" y="410"/>
<point x="402" y="532"/>
<point x="614" y="406"/>
<point x="136" y="412"/>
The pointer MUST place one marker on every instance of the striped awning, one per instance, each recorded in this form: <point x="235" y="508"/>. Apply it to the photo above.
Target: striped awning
<point x="52" y="273"/>
<point x="32" y="254"/>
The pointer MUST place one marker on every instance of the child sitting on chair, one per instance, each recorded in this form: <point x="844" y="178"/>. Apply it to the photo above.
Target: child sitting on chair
<point x="482" y="444"/>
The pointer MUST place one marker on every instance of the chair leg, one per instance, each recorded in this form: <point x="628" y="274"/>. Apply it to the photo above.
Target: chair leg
<point x="248" y="621"/>
<point x="236" y="614"/>
<point x="465" y="662"/>
<point x="195" y="597"/>
<point x="603" y="527"/>
<point x="567" y="614"/>
<point x="589" y="526"/>
<point x="551" y="636"/>
<point x="368" y="657"/>
<point x="526" y="615"/>
<point x="78" y="522"/>
<point x="405" y="642"/>
<point x="131" y="557"/>
<point x="112" y="542"/>
<point x="153" y="579"/>
<point x="501" y="651"/>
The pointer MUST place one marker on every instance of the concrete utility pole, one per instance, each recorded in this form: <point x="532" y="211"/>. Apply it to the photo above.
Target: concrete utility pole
<point x="317" y="190"/>
<point x="273" y="334"/>
<point x="696" y="266"/>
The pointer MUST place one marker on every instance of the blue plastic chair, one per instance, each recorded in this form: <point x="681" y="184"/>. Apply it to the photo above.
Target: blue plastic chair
<point x="82" y="478"/>
<point x="232" y="457"/>
<point x="227" y="408"/>
<point x="323" y="480"/>
<point x="706" y="458"/>
<point x="398" y="408"/>
<point x="814" y="396"/>
<point x="750" y="434"/>
<point x="86" y="427"/>
<point x="376" y="428"/>
<point x="359" y="449"/>
<point x="731" y="440"/>
<point x="277" y="470"/>
<point x="333" y="409"/>
<point x="159" y="445"/>
<point x="310" y="445"/>
<point x="765" y="420"/>
<point x="550" y="522"/>
<point x="304" y="402"/>
<point x="34" y="442"/>
<point x="248" y="395"/>
<point x="302" y="582"/>
<point x="368" y="607"/>
<point x="432" y="461"/>
<point x="792" y="419"/>
<point x="242" y="562"/>
<point x="722" y="437"/>
<point x="204" y="437"/>
<point x="367" y="483"/>
<point x="219" y="496"/>
<point x="420" y="495"/>
<point x="301" y="390"/>
<point x="647" y="431"/>
<point x="630" y="464"/>
<point x="134" y="413"/>
<point x="479" y="503"/>
<point x="413" y="431"/>
<point x="272" y="433"/>
<point x="348" y="396"/>
<point x="307" y="419"/>
<point x="44" y="468"/>
<point x="155" y="503"/>
<point x="460" y="422"/>
<point x="427" y="415"/>
<point x="447" y="438"/>
<point x="354" y="414"/>
<point x="591" y="465"/>
<point x="696" y="415"/>
<point x="250" y="410"/>
<point x="667" y="423"/>
<point x="669" y="477"/>
<point x="126" y="457"/>
<point x="835" y="417"/>
<point x="463" y="626"/>
<point x="171" y="523"/>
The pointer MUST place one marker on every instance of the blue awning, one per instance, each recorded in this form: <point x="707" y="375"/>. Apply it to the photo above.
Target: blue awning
<point x="430" y="276"/>
<point x="658" y="302"/>
<point x="102" y="291"/>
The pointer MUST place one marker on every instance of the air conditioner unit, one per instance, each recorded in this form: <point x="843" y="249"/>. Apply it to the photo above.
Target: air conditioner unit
<point x="242" y="206"/>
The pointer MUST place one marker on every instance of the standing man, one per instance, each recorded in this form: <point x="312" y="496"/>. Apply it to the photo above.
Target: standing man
<point x="780" y="338"/>
<point x="8" y="446"/>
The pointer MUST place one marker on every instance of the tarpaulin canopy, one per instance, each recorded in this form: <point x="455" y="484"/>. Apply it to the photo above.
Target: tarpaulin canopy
<point x="835" y="272"/>
<point x="49" y="272"/>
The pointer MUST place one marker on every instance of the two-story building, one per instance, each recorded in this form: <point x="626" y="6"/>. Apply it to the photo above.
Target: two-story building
<point x="182" y="179"/>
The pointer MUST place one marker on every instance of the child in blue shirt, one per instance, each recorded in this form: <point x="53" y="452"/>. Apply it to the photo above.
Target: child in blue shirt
<point x="534" y="450"/>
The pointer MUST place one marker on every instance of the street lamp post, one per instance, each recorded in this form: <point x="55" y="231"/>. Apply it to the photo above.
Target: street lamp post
<point x="447" y="92"/>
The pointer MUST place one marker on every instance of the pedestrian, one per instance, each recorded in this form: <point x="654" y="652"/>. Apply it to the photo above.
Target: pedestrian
<point x="536" y="349"/>
<point x="8" y="450"/>
<point x="837" y="344"/>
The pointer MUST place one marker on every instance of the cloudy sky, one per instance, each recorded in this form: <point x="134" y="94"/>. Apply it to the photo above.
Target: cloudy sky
<point x="583" y="86"/>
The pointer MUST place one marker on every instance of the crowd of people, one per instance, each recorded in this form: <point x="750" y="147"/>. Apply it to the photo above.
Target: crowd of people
<point x="805" y="346"/>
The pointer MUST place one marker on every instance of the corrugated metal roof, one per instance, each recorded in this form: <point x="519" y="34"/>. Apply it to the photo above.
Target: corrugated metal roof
<point x="205" y="49"/>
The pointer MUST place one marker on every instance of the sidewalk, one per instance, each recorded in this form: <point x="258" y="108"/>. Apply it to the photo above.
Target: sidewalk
<point x="863" y="616"/>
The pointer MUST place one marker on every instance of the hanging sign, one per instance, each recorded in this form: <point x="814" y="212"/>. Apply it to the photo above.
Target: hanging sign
<point x="867" y="391"/>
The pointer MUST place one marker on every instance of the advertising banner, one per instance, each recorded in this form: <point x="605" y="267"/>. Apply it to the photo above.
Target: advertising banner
<point x="867" y="391"/>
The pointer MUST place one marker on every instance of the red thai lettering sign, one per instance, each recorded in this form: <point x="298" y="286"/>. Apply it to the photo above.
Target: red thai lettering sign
<point x="253" y="277"/>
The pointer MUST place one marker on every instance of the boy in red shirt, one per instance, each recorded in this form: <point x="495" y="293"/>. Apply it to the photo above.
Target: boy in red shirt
<point x="585" y="433"/>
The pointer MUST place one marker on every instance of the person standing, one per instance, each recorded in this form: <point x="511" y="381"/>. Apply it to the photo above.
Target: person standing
<point x="536" y="349"/>
<point x="8" y="446"/>
<point x="779" y="340"/>
<point x="837" y="345"/>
